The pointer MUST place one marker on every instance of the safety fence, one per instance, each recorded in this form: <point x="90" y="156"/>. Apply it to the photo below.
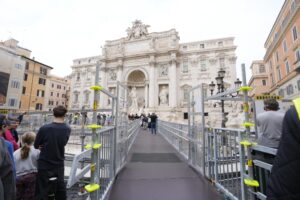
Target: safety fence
<point x="228" y="158"/>
<point x="106" y="160"/>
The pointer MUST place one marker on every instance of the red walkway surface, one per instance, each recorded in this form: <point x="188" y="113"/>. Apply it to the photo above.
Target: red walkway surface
<point x="156" y="172"/>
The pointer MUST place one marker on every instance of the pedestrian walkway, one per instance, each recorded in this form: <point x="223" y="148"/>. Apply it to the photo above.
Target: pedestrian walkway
<point x="156" y="172"/>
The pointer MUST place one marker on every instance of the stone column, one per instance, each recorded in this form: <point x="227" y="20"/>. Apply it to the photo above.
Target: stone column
<point x="146" y="95"/>
<point x="103" y="75"/>
<point x="119" y="70"/>
<point x="173" y="82"/>
<point x="152" y="82"/>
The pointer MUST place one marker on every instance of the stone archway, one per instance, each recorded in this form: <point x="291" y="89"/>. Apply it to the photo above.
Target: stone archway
<point x="138" y="95"/>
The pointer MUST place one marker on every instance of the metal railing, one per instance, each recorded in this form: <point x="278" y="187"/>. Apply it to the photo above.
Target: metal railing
<point x="228" y="158"/>
<point x="106" y="161"/>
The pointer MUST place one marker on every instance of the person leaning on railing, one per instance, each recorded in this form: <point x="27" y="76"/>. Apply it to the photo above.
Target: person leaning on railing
<point x="284" y="181"/>
<point x="269" y="129"/>
<point x="270" y="124"/>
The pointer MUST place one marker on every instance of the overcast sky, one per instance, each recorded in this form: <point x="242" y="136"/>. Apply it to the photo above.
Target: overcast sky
<point x="58" y="31"/>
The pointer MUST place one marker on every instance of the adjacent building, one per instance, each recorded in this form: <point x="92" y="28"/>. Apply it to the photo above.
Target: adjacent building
<point x="12" y="66"/>
<point x="57" y="92"/>
<point x="282" y="56"/>
<point x="158" y="69"/>
<point x="36" y="78"/>
<point x="259" y="80"/>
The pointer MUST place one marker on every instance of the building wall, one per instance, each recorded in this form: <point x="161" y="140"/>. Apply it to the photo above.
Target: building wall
<point x="56" y="94"/>
<point x="282" y="49"/>
<point x="259" y="80"/>
<point x="33" y="84"/>
<point x="11" y="75"/>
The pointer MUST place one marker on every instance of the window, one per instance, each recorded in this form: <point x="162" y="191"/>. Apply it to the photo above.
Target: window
<point x="12" y="102"/>
<point x="185" y="115"/>
<point x="276" y="56"/>
<point x="279" y="73"/>
<point x="38" y="106"/>
<point x="262" y="69"/>
<point x="202" y="46"/>
<point x="64" y="87"/>
<point x="18" y="66"/>
<point x="40" y="93"/>
<point x="295" y="33"/>
<point x="57" y="103"/>
<point x="290" y="89"/>
<point x="222" y="62"/>
<point x="284" y="46"/>
<point x="27" y="65"/>
<point x="281" y="92"/>
<point x="220" y="44"/>
<point x="42" y="81"/>
<point x="43" y="71"/>
<point x="184" y="47"/>
<point x="24" y="90"/>
<point x="185" y="67"/>
<point x="293" y="6"/>
<point x="52" y="85"/>
<point x="203" y="64"/>
<point x="87" y="96"/>
<point x="25" y="77"/>
<point x="51" y="94"/>
<point x="287" y="67"/>
<point x="51" y="103"/>
<point x="78" y="77"/>
<point x="15" y="84"/>
<point x="264" y="82"/>
<point x="88" y="76"/>
<point x="58" y="86"/>
<point x="57" y="95"/>
<point x="297" y="55"/>
<point x="298" y="84"/>
<point x="76" y="97"/>
<point x="272" y="79"/>
<point x="185" y="94"/>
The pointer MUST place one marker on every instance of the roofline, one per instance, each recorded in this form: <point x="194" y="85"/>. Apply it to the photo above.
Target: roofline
<point x="277" y="18"/>
<point x="37" y="62"/>
<point x="209" y="40"/>
<point x="24" y="48"/>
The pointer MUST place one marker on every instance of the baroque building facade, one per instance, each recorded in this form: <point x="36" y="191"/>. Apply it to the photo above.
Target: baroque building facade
<point x="157" y="68"/>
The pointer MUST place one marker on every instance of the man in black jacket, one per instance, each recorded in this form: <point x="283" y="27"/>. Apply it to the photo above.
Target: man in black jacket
<point x="284" y="182"/>
<point x="51" y="140"/>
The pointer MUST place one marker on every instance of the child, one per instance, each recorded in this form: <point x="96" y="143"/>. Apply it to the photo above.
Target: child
<point x="26" y="167"/>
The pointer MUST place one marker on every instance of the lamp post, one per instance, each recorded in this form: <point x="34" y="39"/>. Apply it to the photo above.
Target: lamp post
<point x="221" y="89"/>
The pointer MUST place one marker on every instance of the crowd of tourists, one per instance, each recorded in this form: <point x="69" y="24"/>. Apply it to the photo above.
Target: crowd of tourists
<point x="147" y="121"/>
<point x="30" y="164"/>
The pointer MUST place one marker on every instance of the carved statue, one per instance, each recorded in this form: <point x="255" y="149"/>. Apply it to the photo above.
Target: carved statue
<point x="113" y="75"/>
<point x="163" y="96"/>
<point x="163" y="70"/>
<point x="137" y="30"/>
<point x="134" y="108"/>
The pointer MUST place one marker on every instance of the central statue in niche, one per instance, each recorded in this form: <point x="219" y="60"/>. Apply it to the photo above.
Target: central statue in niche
<point x="134" y="107"/>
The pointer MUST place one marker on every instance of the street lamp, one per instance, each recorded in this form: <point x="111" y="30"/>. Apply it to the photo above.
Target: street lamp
<point x="221" y="88"/>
